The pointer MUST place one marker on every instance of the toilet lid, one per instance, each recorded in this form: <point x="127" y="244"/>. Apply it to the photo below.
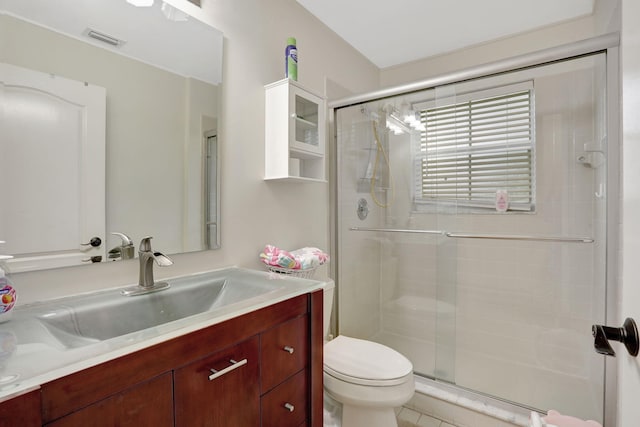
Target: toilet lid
<point x="365" y="362"/>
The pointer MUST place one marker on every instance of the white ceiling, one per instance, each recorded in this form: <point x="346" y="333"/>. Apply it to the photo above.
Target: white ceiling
<point x="394" y="32"/>
<point x="189" y="48"/>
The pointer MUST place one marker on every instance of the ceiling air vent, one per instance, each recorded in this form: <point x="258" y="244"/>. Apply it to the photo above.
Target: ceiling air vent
<point x="105" y="38"/>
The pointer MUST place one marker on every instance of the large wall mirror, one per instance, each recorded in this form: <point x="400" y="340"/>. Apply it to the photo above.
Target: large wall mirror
<point x="108" y="128"/>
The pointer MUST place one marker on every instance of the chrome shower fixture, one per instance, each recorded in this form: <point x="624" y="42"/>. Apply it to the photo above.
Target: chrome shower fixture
<point x="363" y="209"/>
<point x="396" y="125"/>
<point x="403" y="120"/>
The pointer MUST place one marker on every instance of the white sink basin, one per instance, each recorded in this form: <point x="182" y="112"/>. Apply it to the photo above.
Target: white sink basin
<point x="48" y="339"/>
<point x="83" y="320"/>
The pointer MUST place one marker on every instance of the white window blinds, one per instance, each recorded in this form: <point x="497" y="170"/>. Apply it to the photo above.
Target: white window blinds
<point x="473" y="147"/>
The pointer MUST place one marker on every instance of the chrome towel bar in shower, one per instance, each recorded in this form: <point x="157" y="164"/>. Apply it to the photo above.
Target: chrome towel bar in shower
<point x="560" y="239"/>
<point x="397" y="230"/>
<point x="520" y="237"/>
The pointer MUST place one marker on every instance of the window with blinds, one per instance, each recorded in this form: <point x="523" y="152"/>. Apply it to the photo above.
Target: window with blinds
<point x="477" y="145"/>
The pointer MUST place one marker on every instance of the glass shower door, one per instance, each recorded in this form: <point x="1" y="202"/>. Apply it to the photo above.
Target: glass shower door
<point x="532" y="280"/>
<point x="472" y="231"/>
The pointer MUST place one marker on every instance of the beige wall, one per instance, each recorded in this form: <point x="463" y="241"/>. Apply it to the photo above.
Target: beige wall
<point x="255" y="212"/>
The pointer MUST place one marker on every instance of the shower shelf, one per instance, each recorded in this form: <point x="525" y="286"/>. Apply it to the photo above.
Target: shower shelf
<point x="306" y="123"/>
<point x="561" y="239"/>
<point x="303" y="154"/>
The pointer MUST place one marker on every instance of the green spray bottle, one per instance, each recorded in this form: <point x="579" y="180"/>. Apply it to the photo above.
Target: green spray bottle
<point x="291" y="59"/>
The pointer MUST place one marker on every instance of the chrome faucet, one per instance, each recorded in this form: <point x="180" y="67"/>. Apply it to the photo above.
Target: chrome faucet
<point x="147" y="256"/>
<point x="125" y="250"/>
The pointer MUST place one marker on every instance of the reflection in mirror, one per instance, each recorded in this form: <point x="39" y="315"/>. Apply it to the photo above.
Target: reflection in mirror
<point x="211" y="205"/>
<point x="99" y="138"/>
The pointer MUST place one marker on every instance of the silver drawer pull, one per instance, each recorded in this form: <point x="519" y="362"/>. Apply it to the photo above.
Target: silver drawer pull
<point x="288" y="349"/>
<point x="289" y="407"/>
<point x="234" y="365"/>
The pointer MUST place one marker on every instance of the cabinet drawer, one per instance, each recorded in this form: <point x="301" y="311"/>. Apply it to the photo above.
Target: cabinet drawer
<point x="286" y="405"/>
<point x="149" y="403"/>
<point x="228" y="397"/>
<point x="284" y="350"/>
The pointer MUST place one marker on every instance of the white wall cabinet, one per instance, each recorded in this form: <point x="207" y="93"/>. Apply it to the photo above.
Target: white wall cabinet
<point x="294" y="133"/>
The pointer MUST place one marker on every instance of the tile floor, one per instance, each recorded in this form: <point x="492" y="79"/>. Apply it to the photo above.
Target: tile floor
<point x="424" y="410"/>
<point x="410" y="418"/>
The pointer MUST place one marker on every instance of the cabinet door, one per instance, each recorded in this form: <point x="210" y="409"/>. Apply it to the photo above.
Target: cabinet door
<point x="307" y="133"/>
<point x="148" y="404"/>
<point x="23" y="411"/>
<point x="230" y="396"/>
<point x="284" y="351"/>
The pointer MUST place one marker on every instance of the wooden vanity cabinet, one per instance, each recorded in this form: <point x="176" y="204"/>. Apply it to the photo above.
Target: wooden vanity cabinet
<point x="172" y="383"/>
<point x="22" y="410"/>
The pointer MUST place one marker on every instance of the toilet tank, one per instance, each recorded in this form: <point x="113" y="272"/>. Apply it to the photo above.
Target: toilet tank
<point x="327" y="303"/>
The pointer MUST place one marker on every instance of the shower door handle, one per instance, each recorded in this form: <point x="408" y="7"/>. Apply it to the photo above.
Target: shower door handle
<point x="627" y="334"/>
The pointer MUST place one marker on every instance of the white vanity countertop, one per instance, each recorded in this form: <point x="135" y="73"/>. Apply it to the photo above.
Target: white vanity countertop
<point x="31" y="356"/>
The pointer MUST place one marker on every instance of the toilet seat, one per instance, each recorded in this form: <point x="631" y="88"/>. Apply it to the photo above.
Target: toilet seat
<point x="364" y="362"/>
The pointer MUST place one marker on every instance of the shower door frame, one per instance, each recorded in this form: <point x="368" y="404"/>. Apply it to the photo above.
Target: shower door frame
<point x="607" y="44"/>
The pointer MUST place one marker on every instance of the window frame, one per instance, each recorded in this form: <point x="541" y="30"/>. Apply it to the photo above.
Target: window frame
<point x="430" y="204"/>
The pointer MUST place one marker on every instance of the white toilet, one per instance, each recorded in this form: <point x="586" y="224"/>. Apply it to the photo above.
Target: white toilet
<point x="367" y="378"/>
